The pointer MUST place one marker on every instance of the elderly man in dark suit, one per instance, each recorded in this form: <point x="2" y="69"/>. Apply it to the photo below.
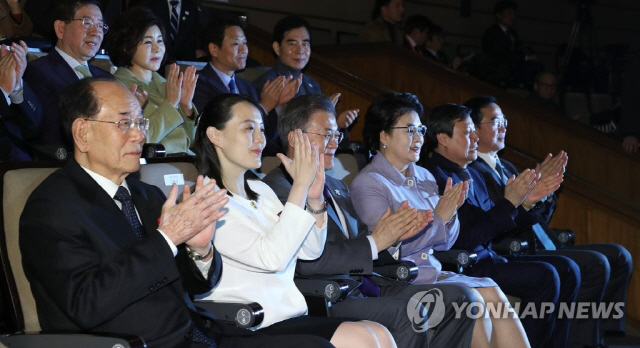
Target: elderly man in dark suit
<point x="104" y="252"/>
<point x="351" y="249"/>
<point x="80" y="29"/>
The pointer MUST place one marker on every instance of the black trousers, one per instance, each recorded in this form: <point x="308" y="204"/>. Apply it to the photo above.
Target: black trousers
<point x="536" y="279"/>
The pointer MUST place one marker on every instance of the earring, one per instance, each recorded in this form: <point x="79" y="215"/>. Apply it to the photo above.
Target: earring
<point x="384" y="146"/>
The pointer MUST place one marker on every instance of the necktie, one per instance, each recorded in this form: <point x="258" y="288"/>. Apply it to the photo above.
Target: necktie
<point x="200" y="337"/>
<point x="175" y="18"/>
<point x="327" y="196"/>
<point x="543" y="238"/>
<point x="83" y="70"/>
<point x="232" y="87"/>
<point x="466" y="176"/>
<point x="501" y="171"/>
<point x="129" y="210"/>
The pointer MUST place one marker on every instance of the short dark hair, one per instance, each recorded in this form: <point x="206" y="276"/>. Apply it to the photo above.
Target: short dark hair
<point x="65" y="10"/>
<point x="297" y="114"/>
<point x="289" y="23"/>
<point x="504" y="5"/>
<point x="420" y="22"/>
<point x="79" y="100"/>
<point x="217" y="113"/>
<point x="214" y="32"/>
<point x="477" y="103"/>
<point x="128" y="32"/>
<point x="442" y="119"/>
<point x="377" y="8"/>
<point x="434" y="30"/>
<point x="384" y="112"/>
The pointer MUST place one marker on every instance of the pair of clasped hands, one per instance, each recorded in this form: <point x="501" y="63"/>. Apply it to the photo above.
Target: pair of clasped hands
<point x="532" y="185"/>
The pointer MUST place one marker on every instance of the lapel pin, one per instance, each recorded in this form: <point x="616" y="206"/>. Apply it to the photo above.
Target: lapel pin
<point x="337" y="192"/>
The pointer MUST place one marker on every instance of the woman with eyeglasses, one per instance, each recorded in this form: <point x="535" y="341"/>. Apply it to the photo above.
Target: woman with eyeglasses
<point x="259" y="239"/>
<point x="394" y="132"/>
<point x="137" y="48"/>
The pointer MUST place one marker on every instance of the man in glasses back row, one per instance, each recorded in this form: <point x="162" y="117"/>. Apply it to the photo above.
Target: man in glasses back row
<point x="79" y="27"/>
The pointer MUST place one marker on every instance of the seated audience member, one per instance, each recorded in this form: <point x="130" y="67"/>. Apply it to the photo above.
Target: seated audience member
<point x="227" y="48"/>
<point x="79" y="28"/>
<point x="20" y="111"/>
<point x="536" y="279"/>
<point x="14" y="21"/>
<point x="181" y="21"/>
<point x="136" y="47"/>
<point x="386" y="22"/>
<point x="433" y="47"/>
<point x="504" y="61"/>
<point x="629" y="125"/>
<point x="350" y="247"/>
<point x="394" y="132"/>
<point x="116" y="254"/>
<point x="416" y="29"/>
<point x="605" y="267"/>
<point x="292" y="45"/>
<point x="259" y="239"/>
<point x="544" y="91"/>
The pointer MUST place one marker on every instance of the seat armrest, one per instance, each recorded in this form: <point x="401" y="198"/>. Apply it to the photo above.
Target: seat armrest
<point x="332" y="290"/>
<point x="243" y="315"/>
<point x="566" y="237"/>
<point x="402" y="270"/>
<point x="510" y="246"/>
<point x="456" y="259"/>
<point x="66" y="340"/>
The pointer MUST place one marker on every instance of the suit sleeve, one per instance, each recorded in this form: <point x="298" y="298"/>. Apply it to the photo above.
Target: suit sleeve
<point x="88" y="290"/>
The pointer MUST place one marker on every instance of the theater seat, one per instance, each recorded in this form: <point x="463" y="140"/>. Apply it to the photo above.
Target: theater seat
<point x="18" y="181"/>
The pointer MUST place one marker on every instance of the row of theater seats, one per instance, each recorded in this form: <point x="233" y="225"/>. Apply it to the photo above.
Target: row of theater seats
<point x="19" y="308"/>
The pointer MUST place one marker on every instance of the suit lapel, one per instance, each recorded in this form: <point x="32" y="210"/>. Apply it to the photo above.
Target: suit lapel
<point x="61" y="68"/>
<point x="339" y="196"/>
<point x="141" y="201"/>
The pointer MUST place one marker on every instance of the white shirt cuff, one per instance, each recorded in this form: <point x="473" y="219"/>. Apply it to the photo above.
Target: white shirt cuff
<point x="374" y="248"/>
<point x="204" y="266"/>
<point x="173" y="247"/>
<point x="17" y="95"/>
<point x="6" y="96"/>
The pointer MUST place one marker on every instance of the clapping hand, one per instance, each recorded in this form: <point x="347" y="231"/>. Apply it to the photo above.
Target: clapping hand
<point x="518" y="188"/>
<point x="453" y="197"/>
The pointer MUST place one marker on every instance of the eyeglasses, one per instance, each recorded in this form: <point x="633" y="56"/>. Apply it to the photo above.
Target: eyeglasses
<point x="411" y="130"/>
<point x="87" y="23"/>
<point x="126" y="124"/>
<point x="497" y="123"/>
<point x="336" y="136"/>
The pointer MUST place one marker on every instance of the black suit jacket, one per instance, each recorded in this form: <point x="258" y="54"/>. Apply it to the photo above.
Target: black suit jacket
<point x="542" y="212"/>
<point x="209" y="85"/>
<point x="88" y="272"/>
<point x="48" y="76"/>
<point x="188" y="37"/>
<point x="341" y="255"/>
<point x="481" y="220"/>
<point x="18" y="124"/>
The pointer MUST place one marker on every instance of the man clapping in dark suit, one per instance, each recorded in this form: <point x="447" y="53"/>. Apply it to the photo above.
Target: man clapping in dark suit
<point x="104" y="252"/>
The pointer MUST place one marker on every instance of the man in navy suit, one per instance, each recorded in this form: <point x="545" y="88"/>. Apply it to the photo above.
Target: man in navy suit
<point x="184" y="44"/>
<point x="228" y="51"/>
<point x="351" y="249"/>
<point x="605" y="267"/>
<point x="80" y="29"/>
<point x="535" y="279"/>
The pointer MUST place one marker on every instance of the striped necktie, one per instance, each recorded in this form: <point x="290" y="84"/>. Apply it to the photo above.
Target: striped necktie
<point x="175" y="19"/>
